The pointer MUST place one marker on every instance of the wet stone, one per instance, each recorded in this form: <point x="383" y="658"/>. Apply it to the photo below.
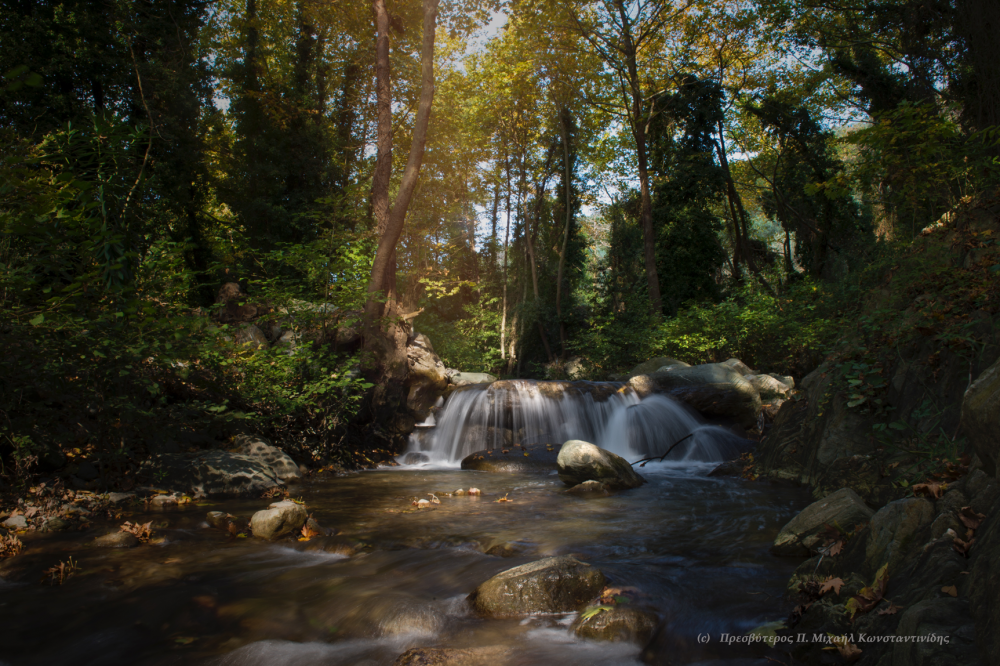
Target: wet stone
<point x="620" y="623"/>
<point x="540" y="458"/>
<point x="116" y="540"/>
<point x="590" y="488"/>
<point x="493" y="655"/>
<point x="551" y="585"/>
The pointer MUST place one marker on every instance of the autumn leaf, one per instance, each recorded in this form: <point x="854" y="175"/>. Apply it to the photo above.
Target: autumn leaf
<point x="308" y="532"/>
<point x="962" y="547"/>
<point x="891" y="609"/>
<point x="950" y="590"/>
<point x="831" y="584"/>
<point x="869" y="597"/>
<point x="930" y="489"/>
<point x="504" y="499"/>
<point x="970" y="518"/>
<point x="835" y="548"/>
<point x="848" y="650"/>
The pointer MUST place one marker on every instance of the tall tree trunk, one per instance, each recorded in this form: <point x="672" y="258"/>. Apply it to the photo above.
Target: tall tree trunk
<point x="386" y="338"/>
<point x="639" y="134"/>
<point x="506" y="242"/>
<point x="539" y="198"/>
<point x="567" y="181"/>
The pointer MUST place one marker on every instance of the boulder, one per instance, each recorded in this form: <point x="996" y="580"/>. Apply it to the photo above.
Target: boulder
<point x="713" y="389"/>
<point x="235" y="309"/>
<point x="580" y="461"/>
<point x="249" y="334"/>
<point x="278" y="519"/>
<point x="981" y="417"/>
<point x="213" y="474"/>
<point x="768" y="387"/>
<point x="802" y="535"/>
<point x="116" y="540"/>
<point x="574" y="368"/>
<point x="488" y="437"/>
<point x="254" y="446"/>
<point x="495" y="655"/>
<point x="590" y="488"/>
<point x="619" y="624"/>
<point x="428" y="379"/>
<point x="540" y="458"/>
<point x="16" y="523"/>
<point x="470" y="378"/>
<point x="551" y="585"/>
<point x="738" y="365"/>
<point x="893" y="529"/>
<point x="787" y="380"/>
<point x="654" y="364"/>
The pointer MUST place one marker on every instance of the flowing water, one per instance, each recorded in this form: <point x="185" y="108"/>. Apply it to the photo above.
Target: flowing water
<point x="395" y="577"/>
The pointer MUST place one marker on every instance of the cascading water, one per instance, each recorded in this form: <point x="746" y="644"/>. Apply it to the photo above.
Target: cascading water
<point x="609" y="414"/>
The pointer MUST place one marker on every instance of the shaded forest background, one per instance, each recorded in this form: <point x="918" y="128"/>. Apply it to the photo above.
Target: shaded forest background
<point x="603" y="181"/>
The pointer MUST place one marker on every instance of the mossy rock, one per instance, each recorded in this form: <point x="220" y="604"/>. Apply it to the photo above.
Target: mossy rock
<point x="551" y="585"/>
<point x="617" y="624"/>
<point x="540" y="458"/>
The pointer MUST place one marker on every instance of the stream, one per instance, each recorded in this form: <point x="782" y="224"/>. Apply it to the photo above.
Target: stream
<point x="694" y="547"/>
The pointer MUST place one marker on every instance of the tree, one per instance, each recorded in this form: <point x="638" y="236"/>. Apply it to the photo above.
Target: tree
<point x="386" y="335"/>
<point x="619" y="33"/>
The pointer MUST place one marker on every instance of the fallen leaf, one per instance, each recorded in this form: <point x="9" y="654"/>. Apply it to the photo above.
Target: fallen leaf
<point x="970" y="518"/>
<point x="930" y="489"/>
<point x="891" y="609"/>
<point x="831" y="584"/>
<point x="869" y="597"/>
<point x="835" y="548"/>
<point x="962" y="547"/>
<point x="950" y="590"/>
<point x="848" y="650"/>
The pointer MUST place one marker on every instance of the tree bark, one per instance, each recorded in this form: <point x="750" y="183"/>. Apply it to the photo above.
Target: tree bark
<point x="639" y="134"/>
<point x="567" y="177"/>
<point x="539" y="197"/>
<point x="386" y="333"/>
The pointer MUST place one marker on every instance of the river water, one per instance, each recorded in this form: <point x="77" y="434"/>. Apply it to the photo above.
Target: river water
<point x="693" y="547"/>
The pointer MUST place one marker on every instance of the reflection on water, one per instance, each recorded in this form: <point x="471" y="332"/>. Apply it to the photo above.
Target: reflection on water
<point x="395" y="577"/>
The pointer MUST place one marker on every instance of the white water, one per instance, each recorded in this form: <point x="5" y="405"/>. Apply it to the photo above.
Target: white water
<point x="529" y="412"/>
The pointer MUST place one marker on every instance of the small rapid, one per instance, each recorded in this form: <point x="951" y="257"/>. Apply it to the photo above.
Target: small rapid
<point x="525" y="412"/>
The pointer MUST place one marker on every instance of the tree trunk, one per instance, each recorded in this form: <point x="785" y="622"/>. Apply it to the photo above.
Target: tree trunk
<point x="539" y="197"/>
<point x="386" y="338"/>
<point x="506" y="242"/>
<point x="639" y="134"/>
<point x="567" y="177"/>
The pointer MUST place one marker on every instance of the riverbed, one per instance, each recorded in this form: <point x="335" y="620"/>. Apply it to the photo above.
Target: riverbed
<point x="693" y="548"/>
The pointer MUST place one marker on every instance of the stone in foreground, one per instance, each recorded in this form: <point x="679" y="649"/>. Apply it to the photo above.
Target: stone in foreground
<point x="278" y="519"/>
<point x="540" y="458"/>
<point x="258" y="447"/>
<point x="116" y="540"/>
<point x="802" y="535"/>
<point x="581" y="461"/>
<point x="428" y="656"/>
<point x="981" y="417"/>
<point x="214" y="474"/>
<point x="551" y="585"/>
<point x="619" y="624"/>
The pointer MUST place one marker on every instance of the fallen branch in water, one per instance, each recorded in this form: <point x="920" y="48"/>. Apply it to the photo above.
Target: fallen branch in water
<point x="672" y="447"/>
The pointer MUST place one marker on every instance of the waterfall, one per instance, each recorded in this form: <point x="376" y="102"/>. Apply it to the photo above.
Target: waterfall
<point x="609" y="414"/>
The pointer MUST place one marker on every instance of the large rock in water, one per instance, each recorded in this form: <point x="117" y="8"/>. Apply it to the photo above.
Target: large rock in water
<point x="213" y="474"/>
<point x="981" y="417"/>
<point x="470" y="378"/>
<point x="540" y="458"/>
<point x="552" y="585"/>
<point x="581" y="461"/>
<point x="428" y="379"/>
<point x="258" y="447"/>
<point x="768" y="387"/>
<point x="654" y="364"/>
<point x="278" y="519"/>
<point x="802" y="535"/>
<point x="712" y="389"/>
<point x="620" y="623"/>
